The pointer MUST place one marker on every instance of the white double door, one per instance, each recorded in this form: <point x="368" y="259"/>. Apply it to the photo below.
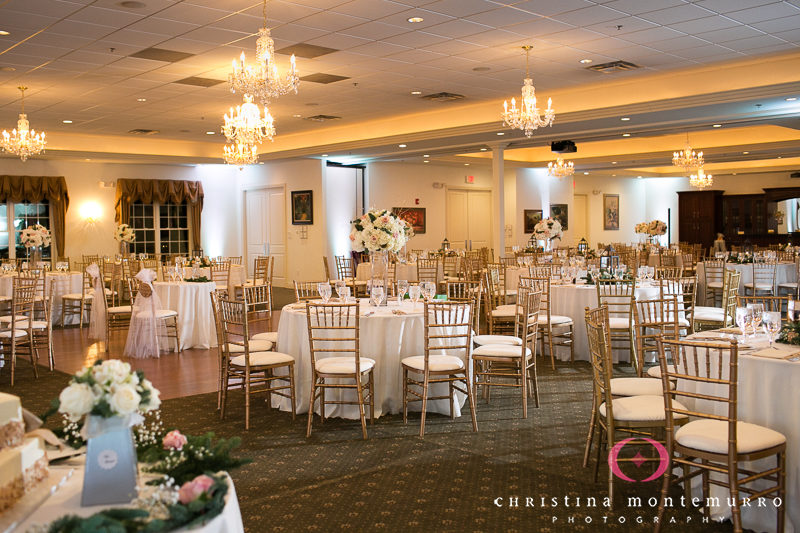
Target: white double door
<point x="469" y="218"/>
<point x="265" y="228"/>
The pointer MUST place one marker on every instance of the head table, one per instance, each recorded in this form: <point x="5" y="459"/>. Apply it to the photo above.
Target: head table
<point x="387" y="335"/>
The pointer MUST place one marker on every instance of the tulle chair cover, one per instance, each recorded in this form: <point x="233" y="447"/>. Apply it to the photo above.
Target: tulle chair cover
<point x="145" y="329"/>
<point x="97" y="321"/>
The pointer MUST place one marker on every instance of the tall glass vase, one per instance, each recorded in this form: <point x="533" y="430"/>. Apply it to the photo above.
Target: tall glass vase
<point x="123" y="249"/>
<point x="34" y="257"/>
<point x="379" y="267"/>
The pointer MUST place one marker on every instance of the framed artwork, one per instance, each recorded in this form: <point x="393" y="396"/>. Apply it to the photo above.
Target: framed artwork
<point x="531" y="217"/>
<point x="302" y="207"/>
<point x="414" y="216"/>
<point x="611" y="212"/>
<point x="560" y="212"/>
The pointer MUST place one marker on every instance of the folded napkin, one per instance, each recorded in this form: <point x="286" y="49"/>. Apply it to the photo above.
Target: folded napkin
<point x="778" y="351"/>
<point x="737" y="331"/>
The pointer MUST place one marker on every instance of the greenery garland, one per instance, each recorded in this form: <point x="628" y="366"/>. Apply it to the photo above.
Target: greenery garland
<point x="790" y="333"/>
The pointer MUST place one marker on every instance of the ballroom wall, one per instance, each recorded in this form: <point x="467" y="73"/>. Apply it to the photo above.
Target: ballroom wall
<point x="535" y="189"/>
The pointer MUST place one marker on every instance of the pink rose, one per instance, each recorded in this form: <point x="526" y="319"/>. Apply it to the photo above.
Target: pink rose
<point x="191" y="490"/>
<point x="174" y="440"/>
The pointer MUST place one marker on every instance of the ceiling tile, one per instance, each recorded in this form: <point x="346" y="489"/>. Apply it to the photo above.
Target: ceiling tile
<point x="778" y="25"/>
<point x="500" y="38"/>
<point x="762" y="13"/>
<point x="20" y="25"/>
<point x="416" y="38"/>
<point x="759" y="41"/>
<point x="621" y="26"/>
<point x="704" y="24"/>
<point x="338" y="41"/>
<point x="459" y="8"/>
<point x="416" y="55"/>
<point x="186" y="45"/>
<point x="501" y="17"/>
<point x="677" y="43"/>
<point x="552" y="7"/>
<point x="653" y="34"/>
<point x="457" y="28"/>
<point x="374" y="30"/>
<point x="330" y="21"/>
<point x="372" y="9"/>
<point x="454" y="47"/>
<point x="41" y="7"/>
<point x="378" y="49"/>
<point x="193" y="14"/>
<point x="730" y="34"/>
<point x="793" y="36"/>
<point x="430" y="18"/>
<point x="69" y="27"/>
<point x="539" y="27"/>
<point x="676" y="14"/>
<point x="588" y="15"/>
<point x="636" y="7"/>
<point x="106" y="17"/>
<point x="162" y="26"/>
<point x="282" y="11"/>
<point x="726" y="6"/>
<point x="572" y="37"/>
<point x="239" y="22"/>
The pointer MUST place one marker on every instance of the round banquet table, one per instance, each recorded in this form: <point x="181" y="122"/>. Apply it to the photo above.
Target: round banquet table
<point x="784" y="273"/>
<point x="385" y="337"/>
<point x="65" y="283"/>
<point x="237" y="277"/>
<point x="572" y="301"/>
<point x="193" y="304"/>
<point x="768" y="395"/>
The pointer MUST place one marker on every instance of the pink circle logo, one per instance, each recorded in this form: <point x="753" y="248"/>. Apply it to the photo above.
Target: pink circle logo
<point x="638" y="459"/>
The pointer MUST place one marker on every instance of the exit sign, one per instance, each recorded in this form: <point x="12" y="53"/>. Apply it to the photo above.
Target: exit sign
<point x="469" y="179"/>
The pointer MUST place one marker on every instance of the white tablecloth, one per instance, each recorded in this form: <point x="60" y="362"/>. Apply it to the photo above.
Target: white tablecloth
<point x="406" y="271"/>
<point x="784" y="273"/>
<point x="67" y="500"/>
<point x="193" y="304"/>
<point x="768" y="396"/>
<point x="65" y="283"/>
<point x="386" y="338"/>
<point x="237" y="277"/>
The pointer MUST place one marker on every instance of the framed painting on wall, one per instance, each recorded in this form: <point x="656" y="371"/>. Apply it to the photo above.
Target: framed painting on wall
<point x="611" y="212"/>
<point x="414" y="216"/>
<point x="560" y="212"/>
<point x="531" y="217"/>
<point x="302" y="207"/>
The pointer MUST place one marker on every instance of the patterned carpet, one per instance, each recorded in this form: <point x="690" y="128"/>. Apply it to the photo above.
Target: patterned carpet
<point x="446" y="481"/>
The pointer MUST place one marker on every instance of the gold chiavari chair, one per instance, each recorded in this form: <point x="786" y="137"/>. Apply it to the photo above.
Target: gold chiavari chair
<point x="640" y="415"/>
<point x="785" y="256"/>
<point x="763" y="278"/>
<point x="252" y="370"/>
<point x="686" y="290"/>
<point x="78" y="303"/>
<point x="619" y="297"/>
<point x="688" y="264"/>
<point x="325" y="268"/>
<point x="791" y="287"/>
<point x="720" y="317"/>
<point x="714" y="273"/>
<point x="42" y="326"/>
<point x="778" y="304"/>
<point x="16" y="336"/>
<point x="509" y="361"/>
<point x="234" y="259"/>
<point x="346" y="271"/>
<point x="554" y="330"/>
<point x="654" y="319"/>
<point x="508" y="261"/>
<point x="258" y="299"/>
<point x="334" y="344"/>
<point x="668" y="258"/>
<point x="221" y="275"/>
<point x="671" y="272"/>
<point x="118" y="317"/>
<point x="715" y="441"/>
<point x="448" y="343"/>
<point x="465" y="291"/>
<point x="306" y="290"/>
<point x="499" y="315"/>
<point x="167" y="317"/>
<point x="428" y="270"/>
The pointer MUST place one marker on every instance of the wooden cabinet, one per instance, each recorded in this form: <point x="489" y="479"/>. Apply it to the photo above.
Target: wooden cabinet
<point x="699" y="216"/>
<point x="744" y="216"/>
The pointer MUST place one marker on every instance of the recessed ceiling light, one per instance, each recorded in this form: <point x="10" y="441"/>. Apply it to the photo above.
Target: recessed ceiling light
<point x="481" y="69"/>
<point x="484" y="149"/>
<point x="415" y="20"/>
<point x="297" y="115"/>
<point x="3" y="32"/>
<point x="613" y="175"/>
<point x="638" y="177"/>
<point x="745" y="153"/>
<point x="401" y="145"/>
<point x="613" y="162"/>
<point x="132" y="4"/>
<point x="67" y="121"/>
<point x="416" y="92"/>
<point x="141" y="99"/>
<point x="324" y="155"/>
<point x="426" y="155"/>
<point x="500" y="133"/>
<point x="791" y="99"/>
<point x="717" y="126"/>
<point x="625" y="119"/>
<point x="210" y="132"/>
<point x="626" y="134"/>
<point x="586" y="61"/>
<point x="426" y="161"/>
<point x="7" y="69"/>
<point x="87" y="159"/>
<point x="585" y="173"/>
<point x="466" y="164"/>
<point x="780" y="156"/>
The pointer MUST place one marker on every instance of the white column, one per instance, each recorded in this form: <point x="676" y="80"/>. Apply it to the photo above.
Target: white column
<point x="498" y="200"/>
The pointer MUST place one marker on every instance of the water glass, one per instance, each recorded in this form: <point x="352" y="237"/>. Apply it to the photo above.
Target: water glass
<point x="414" y="292"/>
<point x="376" y="295"/>
<point x="758" y="314"/>
<point x="340" y="287"/>
<point x="344" y="296"/>
<point x="772" y="325"/>
<point x="402" y="288"/>
<point x="324" y="290"/>
<point x="429" y="290"/>
<point x="742" y="314"/>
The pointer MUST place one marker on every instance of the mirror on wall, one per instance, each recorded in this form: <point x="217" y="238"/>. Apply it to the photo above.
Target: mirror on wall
<point x="784" y="216"/>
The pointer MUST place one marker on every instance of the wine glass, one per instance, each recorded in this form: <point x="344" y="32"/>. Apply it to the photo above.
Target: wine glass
<point x="324" y="290"/>
<point x="772" y="325"/>
<point x="428" y="290"/>
<point x="414" y="292"/>
<point x="741" y="319"/>
<point x="402" y="289"/>
<point x="376" y="295"/>
<point x="345" y="294"/>
<point x="758" y="315"/>
<point x="340" y="286"/>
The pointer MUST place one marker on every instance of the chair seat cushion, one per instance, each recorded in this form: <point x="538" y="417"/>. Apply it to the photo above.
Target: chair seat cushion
<point x="77" y="296"/>
<point x="619" y="322"/>
<point x="36" y="324"/>
<point x="500" y="350"/>
<point x="712" y="436"/>
<point x="635" y="387"/>
<point x="505" y="310"/>
<point x="714" y="284"/>
<point x="161" y="313"/>
<point x="343" y="365"/>
<point x="655" y="371"/>
<point x="120" y="309"/>
<point x="436" y="363"/>
<point x="17" y="333"/>
<point x="683" y="322"/>
<point x="759" y="286"/>
<point x="271" y="336"/>
<point x="255" y="346"/>
<point x="788" y="285"/>
<point x="555" y="320"/>
<point x="497" y="339"/>
<point x="263" y="359"/>
<point x="709" y="314"/>
<point x="639" y="408"/>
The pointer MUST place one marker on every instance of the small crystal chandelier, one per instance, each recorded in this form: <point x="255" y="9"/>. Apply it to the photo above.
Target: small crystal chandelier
<point x="527" y="117"/>
<point x="687" y="159"/>
<point x="241" y="154"/>
<point x="701" y="180"/>
<point x="246" y="126"/>
<point x="560" y="169"/>
<point x="263" y="80"/>
<point x="23" y="141"/>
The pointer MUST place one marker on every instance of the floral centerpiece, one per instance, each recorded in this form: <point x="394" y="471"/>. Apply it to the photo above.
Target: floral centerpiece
<point x="547" y="230"/>
<point x="642" y="228"/>
<point x="656" y="227"/>
<point x="34" y="236"/>
<point x="124" y="233"/>
<point x="379" y="230"/>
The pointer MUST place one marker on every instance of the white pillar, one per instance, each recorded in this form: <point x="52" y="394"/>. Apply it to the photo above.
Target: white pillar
<point x="498" y="200"/>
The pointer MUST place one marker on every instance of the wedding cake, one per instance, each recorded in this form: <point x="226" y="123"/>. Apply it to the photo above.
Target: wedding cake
<point x="23" y="461"/>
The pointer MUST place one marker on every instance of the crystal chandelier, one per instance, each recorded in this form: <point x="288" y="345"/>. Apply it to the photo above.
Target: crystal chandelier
<point x="701" y="180"/>
<point x="246" y="126"/>
<point x="23" y="141"/>
<point x="262" y="80"/>
<point x="527" y="117"/>
<point x="241" y="154"/>
<point x="561" y="169"/>
<point x="687" y="159"/>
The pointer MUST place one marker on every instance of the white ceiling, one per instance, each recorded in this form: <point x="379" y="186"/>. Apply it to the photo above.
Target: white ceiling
<point x="73" y="54"/>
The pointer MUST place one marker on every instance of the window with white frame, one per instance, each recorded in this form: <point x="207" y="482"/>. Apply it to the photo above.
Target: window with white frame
<point x="15" y="217"/>
<point x="160" y="228"/>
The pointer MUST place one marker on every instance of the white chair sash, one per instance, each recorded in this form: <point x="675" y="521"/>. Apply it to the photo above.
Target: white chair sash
<point x="145" y="329"/>
<point x="99" y="316"/>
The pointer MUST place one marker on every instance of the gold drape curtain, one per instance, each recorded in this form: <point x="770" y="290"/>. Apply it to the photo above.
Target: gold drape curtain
<point x="161" y="191"/>
<point x="34" y="189"/>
